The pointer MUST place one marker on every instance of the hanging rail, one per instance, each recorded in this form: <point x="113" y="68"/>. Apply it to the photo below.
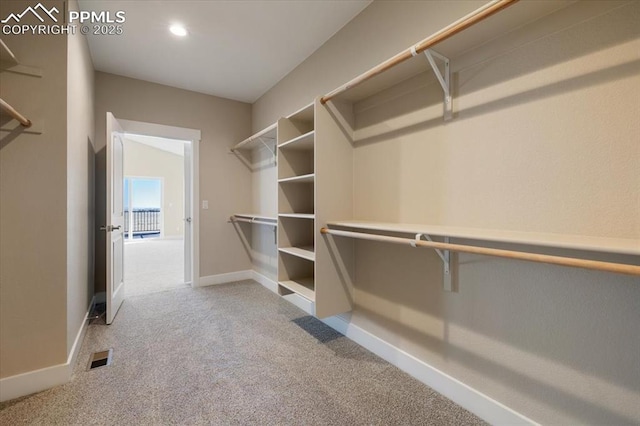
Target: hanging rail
<point x="15" y="114"/>
<point x="252" y="220"/>
<point x="258" y="136"/>
<point x="620" y="268"/>
<point x="456" y="27"/>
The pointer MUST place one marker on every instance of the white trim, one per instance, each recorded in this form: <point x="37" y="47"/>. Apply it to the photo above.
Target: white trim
<point x="265" y="281"/>
<point x="38" y="380"/>
<point x="184" y="134"/>
<point x="160" y="130"/>
<point x="77" y="344"/>
<point x="229" y="277"/>
<point x="478" y="403"/>
<point x="33" y="381"/>
<point x="195" y="212"/>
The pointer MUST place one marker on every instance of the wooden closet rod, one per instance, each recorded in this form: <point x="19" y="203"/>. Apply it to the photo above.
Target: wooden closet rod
<point x="460" y="25"/>
<point x="15" y="114"/>
<point x="620" y="268"/>
<point x="258" y="135"/>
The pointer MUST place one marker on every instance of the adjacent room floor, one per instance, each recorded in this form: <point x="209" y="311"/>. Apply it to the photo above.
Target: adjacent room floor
<point x="232" y="354"/>
<point x="152" y="265"/>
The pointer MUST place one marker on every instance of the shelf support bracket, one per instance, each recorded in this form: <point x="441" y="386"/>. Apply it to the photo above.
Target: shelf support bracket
<point x="445" y="255"/>
<point x="444" y="78"/>
<point x="266" y="145"/>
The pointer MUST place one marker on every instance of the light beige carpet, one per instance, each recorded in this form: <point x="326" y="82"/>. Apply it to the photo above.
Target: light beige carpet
<point x="233" y="354"/>
<point x="153" y="265"/>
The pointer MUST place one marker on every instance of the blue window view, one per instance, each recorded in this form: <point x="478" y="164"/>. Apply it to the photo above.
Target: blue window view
<point x="142" y="205"/>
<point x="146" y="193"/>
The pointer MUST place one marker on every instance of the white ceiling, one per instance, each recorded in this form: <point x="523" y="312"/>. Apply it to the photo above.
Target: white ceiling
<point x="236" y="49"/>
<point x="173" y="146"/>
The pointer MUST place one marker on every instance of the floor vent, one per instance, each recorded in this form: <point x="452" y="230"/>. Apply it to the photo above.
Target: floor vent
<point x="100" y="359"/>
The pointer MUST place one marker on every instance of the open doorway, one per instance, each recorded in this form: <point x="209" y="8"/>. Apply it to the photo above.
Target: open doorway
<point x="110" y="243"/>
<point x="154" y="213"/>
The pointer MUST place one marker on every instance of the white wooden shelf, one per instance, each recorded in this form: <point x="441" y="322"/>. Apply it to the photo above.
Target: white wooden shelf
<point x="298" y="215"/>
<point x="302" y="252"/>
<point x="296" y="190"/>
<point x="302" y="286"/>
<point x="302" y="142"/>
<point x="259" y="139"/>
<point x="308" y="178"/>
<point x="565" y="241"/>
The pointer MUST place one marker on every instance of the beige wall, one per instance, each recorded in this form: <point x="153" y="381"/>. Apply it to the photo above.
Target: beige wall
<point x="545" y="139"/>
<point x="33" y="213"/>
<point x="33" y="210"/>
<point x="224" y="181"/>
<point x="142" y="160"/>
<point x="80" y="184"/>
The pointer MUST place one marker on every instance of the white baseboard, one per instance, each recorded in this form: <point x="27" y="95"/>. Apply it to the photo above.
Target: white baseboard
<point x="476" y="402"/>
<point x="33" y="381"/>
<point x="229" y="277"/>
<point x="38" y="380"/>
<point x="265" y="281"/>
<point x="77" y="343"/>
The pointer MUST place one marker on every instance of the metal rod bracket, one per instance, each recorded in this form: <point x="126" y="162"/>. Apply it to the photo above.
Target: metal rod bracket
<point x="445" y="255"/>
<point x="444" y="78"/>
<point x="272" y="151"/>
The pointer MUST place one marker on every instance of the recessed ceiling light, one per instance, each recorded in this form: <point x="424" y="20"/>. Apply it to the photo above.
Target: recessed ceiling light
<point x="178" y="30"/>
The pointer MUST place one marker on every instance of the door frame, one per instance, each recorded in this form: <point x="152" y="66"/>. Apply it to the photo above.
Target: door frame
<point x="185" y="134"/>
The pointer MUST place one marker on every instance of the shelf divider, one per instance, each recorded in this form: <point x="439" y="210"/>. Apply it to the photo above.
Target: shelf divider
<point x="302" y="286"/>
<point x="302" y="142"/>
<point x="302" y="252"/>
<point x="308" y="178"/>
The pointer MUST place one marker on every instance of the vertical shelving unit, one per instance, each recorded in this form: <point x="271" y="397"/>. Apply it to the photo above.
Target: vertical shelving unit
<point x="296" y="204"/>
<point x="323" y="287"/>
<point x="315" y="168"/>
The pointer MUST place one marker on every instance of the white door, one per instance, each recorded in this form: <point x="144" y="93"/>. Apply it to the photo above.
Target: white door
<point x="188" y="228"/>
<point x="115" y="217"/>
